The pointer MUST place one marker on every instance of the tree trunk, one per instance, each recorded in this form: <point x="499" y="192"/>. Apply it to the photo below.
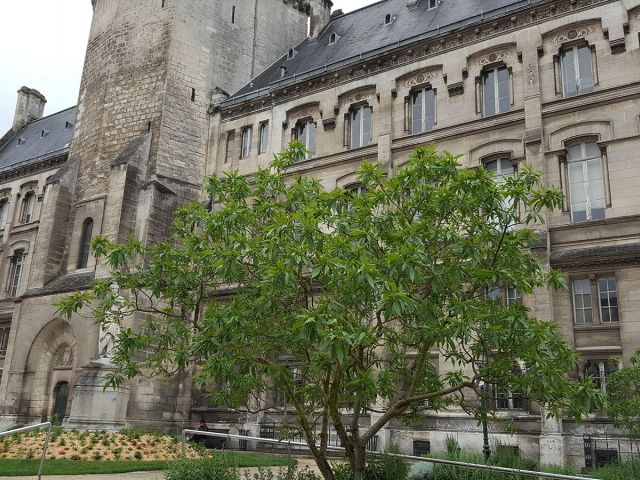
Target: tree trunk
<point x="359" y="462"/>
<point x="323" y="466"/>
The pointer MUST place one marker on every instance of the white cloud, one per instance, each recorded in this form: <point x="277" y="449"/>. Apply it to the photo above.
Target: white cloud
<point x="42" y="46"/>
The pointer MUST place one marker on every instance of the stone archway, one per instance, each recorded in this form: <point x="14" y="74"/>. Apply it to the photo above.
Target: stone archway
<point x="50" y="364"/>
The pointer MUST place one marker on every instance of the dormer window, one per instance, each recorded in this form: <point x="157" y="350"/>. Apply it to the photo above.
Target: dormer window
<point x="21" y="141"/>
<point x="388" y="20"/>
<point x="283" y="71"/>
<point x="44" y="133"/>
<point x="68" y="125"/>
<point x="433" y="4"/>
<point x="292" y="53"/>
<point x="333" y="38"/>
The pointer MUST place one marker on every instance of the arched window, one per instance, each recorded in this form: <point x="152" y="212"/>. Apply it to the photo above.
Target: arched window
<point x="85" y="243"/>
<point x="28" y="203"/>
<point x="4" y="212"/>
<point x="16" y="265"/>
<point x="359" y="120"/>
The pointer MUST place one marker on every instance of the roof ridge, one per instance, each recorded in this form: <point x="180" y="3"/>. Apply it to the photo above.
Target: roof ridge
<point x="49" y="116"/>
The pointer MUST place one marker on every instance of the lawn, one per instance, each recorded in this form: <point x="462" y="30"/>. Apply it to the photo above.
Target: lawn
<point x="18" y="468"/>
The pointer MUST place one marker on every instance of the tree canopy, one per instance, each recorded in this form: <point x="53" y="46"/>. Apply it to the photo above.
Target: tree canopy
<point x="344" y="300"/>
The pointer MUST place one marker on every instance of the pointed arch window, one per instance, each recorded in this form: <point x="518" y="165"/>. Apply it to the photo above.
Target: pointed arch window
<point x="85" y="243"/>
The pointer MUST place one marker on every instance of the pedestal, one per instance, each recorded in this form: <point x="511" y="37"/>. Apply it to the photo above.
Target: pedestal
<point x="93" y="407"/>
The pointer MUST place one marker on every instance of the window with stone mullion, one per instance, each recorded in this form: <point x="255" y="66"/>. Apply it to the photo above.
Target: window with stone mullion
<point x="423" y="111"/>
<point x="577" y="70"/>
<point x="360" y="126"/>
<point x="496" y="91"/>
<point x="586" y="182"/>
<point x="4" y="339"/>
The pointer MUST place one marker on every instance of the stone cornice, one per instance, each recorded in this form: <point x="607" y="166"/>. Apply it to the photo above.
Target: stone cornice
<point x="418" y="50"/>
<point x="592" y="99"/>
<point x="36" y="167"/>
<point x="478" y="125"/>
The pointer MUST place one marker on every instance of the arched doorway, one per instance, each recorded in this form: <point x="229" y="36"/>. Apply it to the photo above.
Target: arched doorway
<point x="61" y="394"/>
<point x="48" y="381"/>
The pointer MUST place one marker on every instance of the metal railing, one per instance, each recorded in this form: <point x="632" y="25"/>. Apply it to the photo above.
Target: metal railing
<point x="436" y="461"/>
<point x="28" y="429"/>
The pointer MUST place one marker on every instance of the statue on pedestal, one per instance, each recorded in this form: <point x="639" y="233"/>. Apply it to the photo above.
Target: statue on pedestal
<point x="110" y="327"/>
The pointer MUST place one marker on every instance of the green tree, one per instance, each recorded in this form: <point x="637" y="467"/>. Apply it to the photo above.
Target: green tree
<point x="337" y="300"/>
<point x="623" y="396"/>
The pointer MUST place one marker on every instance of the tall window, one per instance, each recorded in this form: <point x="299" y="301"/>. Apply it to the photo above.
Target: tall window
<point x="246" y="142"/>
<point x="603" y="288"/>
<point x="16" y="267"/>
<point x="598" y="371"/>
<point x="4" y="212"/>
<point x="28" y="204"/>
<point x="231" y="138"/>
<point x="586" y="182"/>
<point x="306" y="133"/>
<point x="495" y="91"/>
<point x="264" y="137"/>
<point x="85" y="243"/>
<point x="608" y="294"/>
<point x="360" y="126"/>
<point x="507" y="399"/>
<point x="577" y="70"/>
<point x="582" y="308"/>
<point x="508" y="296"/>
<point x="501" y="169"/>
<point x="4" y="339"/>
<point x="423" y="110"/>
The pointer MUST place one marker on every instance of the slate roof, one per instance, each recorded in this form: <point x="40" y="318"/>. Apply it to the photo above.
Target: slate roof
<point x="363" y="33"/>
<point x="37" y="147"/>
<point x="70" y="282"/>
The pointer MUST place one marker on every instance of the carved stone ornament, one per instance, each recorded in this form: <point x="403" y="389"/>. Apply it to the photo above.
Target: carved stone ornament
<point x="63" y="357"/>
<point x="421" y="78"/>
<point x="492" y="57"/>
<point x="573" y="34"/>
<point x="456" y="89"/>
<point x="358" y="97"/>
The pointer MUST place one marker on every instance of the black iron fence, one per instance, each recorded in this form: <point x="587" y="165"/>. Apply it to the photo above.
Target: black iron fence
<point x="601" y="451"/>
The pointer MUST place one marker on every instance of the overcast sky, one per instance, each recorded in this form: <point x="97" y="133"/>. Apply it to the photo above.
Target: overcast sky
<point x="42" y="46"/>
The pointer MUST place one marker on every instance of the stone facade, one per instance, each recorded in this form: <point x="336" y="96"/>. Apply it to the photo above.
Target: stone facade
<point x="538" y="127"/>
<point x="154" y="119"/>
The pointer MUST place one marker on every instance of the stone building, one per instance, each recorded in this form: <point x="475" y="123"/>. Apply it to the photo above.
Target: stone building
<point x="551" y="83"/>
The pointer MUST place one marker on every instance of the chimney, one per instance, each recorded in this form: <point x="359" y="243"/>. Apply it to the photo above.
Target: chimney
<point x="320" y="16"/>
<point x="30" y="106"/>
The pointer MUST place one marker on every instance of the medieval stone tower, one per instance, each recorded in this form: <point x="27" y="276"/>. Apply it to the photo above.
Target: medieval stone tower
<point x="138" y="151"/>
<point x="140" y="139"/>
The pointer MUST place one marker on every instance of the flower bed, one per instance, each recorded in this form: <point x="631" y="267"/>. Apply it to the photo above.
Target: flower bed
<point x="97" y="446"/>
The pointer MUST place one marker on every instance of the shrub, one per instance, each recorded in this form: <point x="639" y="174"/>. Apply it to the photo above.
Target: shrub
<point x="618" y="471"/>
<point x="75" y="457"/>
<point x="379" y="467"/>
<point x="137" y="455"/>
<point x="220" y="467"/>
<point x="97" y="456"/>
<point x="420" y="471"/>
